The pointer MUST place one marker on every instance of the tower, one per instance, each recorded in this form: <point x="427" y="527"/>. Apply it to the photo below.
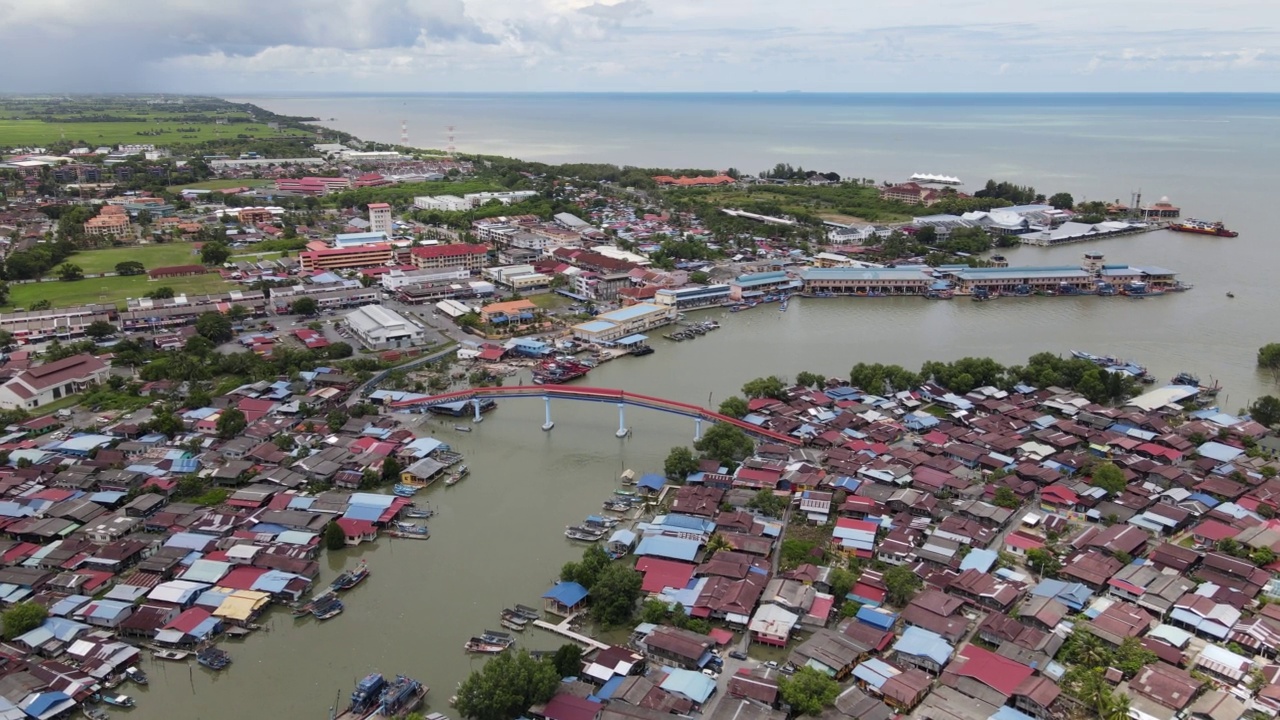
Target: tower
<point x="449" y="149"/>
<point x="404" y="133"/>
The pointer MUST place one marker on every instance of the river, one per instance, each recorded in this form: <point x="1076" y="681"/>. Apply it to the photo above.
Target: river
<point x="497" y="538"/>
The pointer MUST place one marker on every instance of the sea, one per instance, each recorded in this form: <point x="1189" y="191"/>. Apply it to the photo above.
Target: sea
<point x="497" y="538"/>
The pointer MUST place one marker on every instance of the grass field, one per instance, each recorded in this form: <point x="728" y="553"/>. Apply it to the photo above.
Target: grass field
<point x="160" y="131"/>
<point x="222" y="184"/>
<point x="111" y="290"/>
<point x="151" y="256"/>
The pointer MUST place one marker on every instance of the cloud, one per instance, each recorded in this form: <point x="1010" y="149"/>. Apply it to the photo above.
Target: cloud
<point x="460" y="45"/>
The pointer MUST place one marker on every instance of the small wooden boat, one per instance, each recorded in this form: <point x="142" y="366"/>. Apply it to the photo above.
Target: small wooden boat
<point x="94" y="713"/>
<point x="583" y="534"/>
<point x="462" y="428"/>
<point x="136" y="675"/>
<point x="478" y="645"/>
<point x="527" y="612"/>
<point x="1230" y="294"/>
<point x="409" y="530"/>
<point x="123" y="701"/>
<point x="402" y="490"/>
<point x="420" y="513"/>
<point x="457" y="476"/>
<point x="172" y="655"/>
<point x="351" y="578"/>
<point x="213" y="658"/>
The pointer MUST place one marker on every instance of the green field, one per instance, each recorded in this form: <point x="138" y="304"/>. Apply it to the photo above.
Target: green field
<point x="221" y="184"/>
<point x="156" y="132"/>
<point x="111" y="290"/>
<point x="151" y="256"/>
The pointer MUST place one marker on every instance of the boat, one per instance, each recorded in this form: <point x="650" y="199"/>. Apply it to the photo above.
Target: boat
<point x="402" y="490"/>
<point x="616" y="506"/>
<point x="136" y="675"/>
<point x="328" y="610"/>
<point x="601" y="522"/>
<point x="577" y="532"/>
<point x="213" y="658"/>
<point x="557" y="371"/>
<point x="420" y="513"/>
<point x="495" y="636"/>
<point x="400" y="697"/>
<point x="457" y="476"/>
<point x="1230" y="294"/>
<point x="514" y="624"/>
<point x="123" y="701"/>
<point x="171" y="655"/>
<point x="478" y="645"/>
<point x="462" y="428"/>
<point x="1202" y="227"/>
<point x="525" y="611"/>
<point x="1186" y="378"/>
<point x="712" y="325"/>
<point x="366" y="696"/>
<point x="625" y="493"/>
<point x="641" y="350"/>
<point x="94" y="713"/>
<point x="351" y="578"/>
<point x="409" y="530"/>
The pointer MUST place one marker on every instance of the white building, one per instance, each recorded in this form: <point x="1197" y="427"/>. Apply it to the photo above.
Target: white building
<point x="443" y="203"/>
<point x="379" y="328"/>
<point x="623" y="322"/>
<point x="380" y="218"/>
<point x="43" y="384"/>
<point x="506" y="198"/>
<point x="397" y="279"/>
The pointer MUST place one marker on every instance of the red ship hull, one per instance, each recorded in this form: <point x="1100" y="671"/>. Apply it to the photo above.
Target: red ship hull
<point x="1198" y="230"/>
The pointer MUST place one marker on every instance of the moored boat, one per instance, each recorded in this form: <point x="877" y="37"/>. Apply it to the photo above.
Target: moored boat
<point x="123" y="701"/>
<point x="400" y="697"/>
<point x="462" y="428"/>
<point x="479" y="645"/>
<point x="403" y="490"/>
<point x="330" y="607"/>
<point x="213" y="658"/>
<point x="525" y="611"/>
<point x="351" y="578"/>
<point x="136" y="675"/>
<point x="171" y="655"/>
<point x="457" y="476"/>
<point x="409" y="530"/>
<point x="577" y="532"/>
<point x="419" y="513"/>
<point x="94" y="713"/>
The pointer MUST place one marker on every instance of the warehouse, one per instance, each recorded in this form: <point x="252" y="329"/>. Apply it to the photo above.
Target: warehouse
<point x="378" y="328"/>
<point x="623" y="322"/>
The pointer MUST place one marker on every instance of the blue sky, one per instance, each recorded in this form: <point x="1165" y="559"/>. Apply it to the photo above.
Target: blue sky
<point x="243" y="46"/>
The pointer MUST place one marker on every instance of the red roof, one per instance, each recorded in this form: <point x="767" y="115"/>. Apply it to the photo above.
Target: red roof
<point x="756" y="475"/>
<point x="999" y="673"/>
<point x="242" y="577"/>
<point x="1214" y="530"/>
<point x="1023" y="542"/>
<point x="659" y="574"/>
<point x="721" y="636"/>
<point x="851" y="524"/>
<point x="868" y="592"/>
<point x="571" y="707"/>
<point x="452" y="250"/>
<point x="1059" y="495"/>
<point x="189" y="620"/>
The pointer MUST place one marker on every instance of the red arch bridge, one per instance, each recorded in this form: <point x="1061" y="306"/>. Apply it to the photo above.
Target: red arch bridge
<point x="621" y="398"/>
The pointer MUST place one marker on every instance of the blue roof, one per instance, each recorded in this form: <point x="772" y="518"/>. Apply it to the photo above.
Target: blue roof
<point x="669" y="547"/>
<point x="1073" y="595"/>
<point x="363" y="512"/>
<point x="607" y="690"/>
<point x="924" y="643"/>
<point x="1218" y="451"/>
<point x="1008" y="712"/>
<point x="686" y="522"/>
<point x="594" y="326"/>
<point x="189" y="541"/>
<point x="689" y="683"/>
<point x="623" y="536"/>
<point x="631" y="312"/>
<point x="633" y="339"/>
<point x="651" y="481"/>
<point x="979" y="559"/>
<point x="875" y="672"/>
<point x="876" y="617"/>
<point x="566" y="593"/>
<point x="107" y="497"/>
<point x="44" y="702"/>
<point x="273" y="581"/>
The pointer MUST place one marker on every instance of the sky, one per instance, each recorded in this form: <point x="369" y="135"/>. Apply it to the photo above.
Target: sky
<point x="272" y="46"/>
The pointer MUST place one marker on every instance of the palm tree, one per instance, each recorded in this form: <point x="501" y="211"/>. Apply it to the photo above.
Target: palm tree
<point x="717" y="543"/>
<point x="1114" y="706"/>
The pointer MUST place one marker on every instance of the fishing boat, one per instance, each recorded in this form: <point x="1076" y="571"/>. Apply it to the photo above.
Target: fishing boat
<point x="457" y="476"/>
<point x="625" y="493"/>
<point x="94" y="713"/>
<point x="597" y="521"/>
<point x="401" y="696"/>
<point x="213" y="657"/>
<point x="577" y="532"/>
<point x="365" y="698"/>
<point x="409" y="530"/>
<point x="328" y="610"/>
<point x="616" y="506"/>
<point x="525" y="611"/>
<point x="171" y="655"/>
<point x="123" y="701"/>
<point x="135" y="675"/>
<point x="403" y="490"/>
<point x="557" y="371"/>
<point x="479" y="645"/>
<point x="462" y="428"/>
<point x="351" y="578"/>
<point x="495" y="636"/>
<point x="641" y="351"/>
<point x="420" y="513"/>
<point x="1203" y="227"/>
<point x="514" y="623"/>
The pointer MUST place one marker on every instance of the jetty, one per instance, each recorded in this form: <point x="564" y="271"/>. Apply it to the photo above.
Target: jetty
<point x="563" y="629"/>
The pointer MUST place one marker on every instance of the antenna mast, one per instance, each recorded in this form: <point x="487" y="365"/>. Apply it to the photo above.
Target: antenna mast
<point x="450" y="149"/>
<point x="404" y="133"/>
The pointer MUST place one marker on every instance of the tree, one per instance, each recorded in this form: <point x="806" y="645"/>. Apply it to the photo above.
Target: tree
<point x="390" y="470"/>
<point x="130" y="267"/>
<point x="1269" y="358"/>
<point x="588" y="570"/>
<point x="808" y="691"/>
<point x="166" y="422"/>
<point x="68" y="272"/>
<point x="1132" y="656"/>
<point x="231" y="423"/>
<point x="1108" y="477"/>
<point x="726" y="443"/>
<point x="699" y="278"/>
<point x="568" y="660"/>
<point x="680" y="463"/>
<point x="237" y="312"/>
<point x="734" y="407"/>
<point x="339" y="350"/>
<point x="163" y="292"/>
<point x="901" y="584"/>
<point x="813" y="380"/>
<point x="506" y="687"/>
<point x="716" y="543"/>
<point x="305" y="306"/>
<point x="841" y="582"/>
<point x="99" y="329"/>
<point x="23" y="618"/>
<point x="766" y="387"/>
<point x="215" y="326"/>
<point x="767" y="503"/>
<point x="334" y="537"/>
<point x="6" y="339"/>
<point x="1006" y="498"/>
<point x="614" y="594"/>
<point x="1044" y="562"/>
<point x="1062" y="201"/>
<point x="926" y="235"/>
<point x="214" y="253"/>
<point x="1265" y="410"/>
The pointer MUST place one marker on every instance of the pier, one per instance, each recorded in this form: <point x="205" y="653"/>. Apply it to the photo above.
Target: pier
<point x="563" y="630"/>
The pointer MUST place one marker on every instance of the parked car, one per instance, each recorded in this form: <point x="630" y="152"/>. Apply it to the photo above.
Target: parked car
<point x="737" y="655"/>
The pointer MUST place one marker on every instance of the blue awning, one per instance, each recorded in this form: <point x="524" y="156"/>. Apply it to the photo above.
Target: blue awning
<point x="633" y="340"/>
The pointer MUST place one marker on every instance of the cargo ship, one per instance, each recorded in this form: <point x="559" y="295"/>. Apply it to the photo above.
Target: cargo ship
<point x="1202" y="227"/>
<point x="561" y="370"/>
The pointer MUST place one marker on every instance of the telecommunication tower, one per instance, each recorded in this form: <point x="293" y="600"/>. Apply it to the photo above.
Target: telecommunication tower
<point x="404" y="133"/>
<point x="450" y="149"/>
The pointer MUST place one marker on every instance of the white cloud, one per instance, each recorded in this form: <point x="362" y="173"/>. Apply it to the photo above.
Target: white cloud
<point x="450" y="45"/>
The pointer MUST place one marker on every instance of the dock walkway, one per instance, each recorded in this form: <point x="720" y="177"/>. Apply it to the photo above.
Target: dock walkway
<point x="563" y="629"/>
